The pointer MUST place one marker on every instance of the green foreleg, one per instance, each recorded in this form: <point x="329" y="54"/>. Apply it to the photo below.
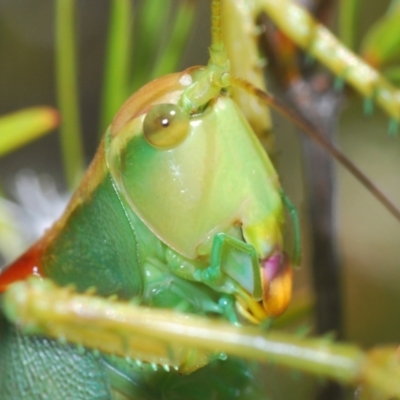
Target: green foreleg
<point x="214" y="275"/>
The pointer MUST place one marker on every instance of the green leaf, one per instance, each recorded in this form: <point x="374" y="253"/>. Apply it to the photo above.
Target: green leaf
<point x="349" y="11"/>
<point x="172" y="52"/>
<point x="151" y="27"/>
<point x="20" y="128"/>
<point x="381" y="44"/>
<point x="118" y="57"/>
<point x="393" y="7"/>
<point x="393" y="74"/>
<point x="67" y="92"/>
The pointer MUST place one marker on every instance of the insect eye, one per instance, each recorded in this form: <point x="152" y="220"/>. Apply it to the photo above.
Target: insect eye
<point x="165" y="126"/>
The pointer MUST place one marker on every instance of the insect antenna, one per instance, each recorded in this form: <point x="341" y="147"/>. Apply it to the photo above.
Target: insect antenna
<point x="218" y="54"/>
<point x="319" y="138"/>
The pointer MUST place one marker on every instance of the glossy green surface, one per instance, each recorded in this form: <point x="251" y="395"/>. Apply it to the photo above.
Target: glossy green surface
<point x="214" y="173"/>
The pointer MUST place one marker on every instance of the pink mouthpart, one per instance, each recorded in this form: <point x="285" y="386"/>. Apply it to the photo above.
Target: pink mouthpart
<point x="272" y="265"/>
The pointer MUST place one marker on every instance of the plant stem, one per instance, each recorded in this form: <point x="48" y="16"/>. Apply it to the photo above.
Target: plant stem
<point x="151" y="26"/>
<point x="118" y="57"/>
<point x="172" y="53"/>
<point x="67" y="92"/>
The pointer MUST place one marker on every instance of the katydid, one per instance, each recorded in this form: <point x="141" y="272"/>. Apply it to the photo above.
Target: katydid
<point x="181" y="208"/>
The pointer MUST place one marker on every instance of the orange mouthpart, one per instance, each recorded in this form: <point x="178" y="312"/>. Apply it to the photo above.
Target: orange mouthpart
<point x="277" y="284"/>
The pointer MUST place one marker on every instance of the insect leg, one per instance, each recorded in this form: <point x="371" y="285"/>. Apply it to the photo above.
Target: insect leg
<point x="214" y="273"/>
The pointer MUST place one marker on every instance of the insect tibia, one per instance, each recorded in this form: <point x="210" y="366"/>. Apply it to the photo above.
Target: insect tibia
<point x="217" y="44"/>
<point x="164" y="337"/>
<point x="218" y="54"/>
<point x="301" y="27"/>
<point x="115" y="328"/>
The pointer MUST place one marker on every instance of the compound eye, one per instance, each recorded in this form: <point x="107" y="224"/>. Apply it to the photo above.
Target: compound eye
<point x="165" y="126"/>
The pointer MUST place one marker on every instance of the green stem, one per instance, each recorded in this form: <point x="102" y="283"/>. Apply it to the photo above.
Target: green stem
<point x="21" y="127"/>
<point x="117" y="60"/>
<point x="172" y="54"/>
<point x="349" y="11"/>
<point x="67" y="92"/>
<point x="151" y="27"/>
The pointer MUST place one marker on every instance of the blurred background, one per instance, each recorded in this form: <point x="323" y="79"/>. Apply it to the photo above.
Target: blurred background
<point x="368" y="237"/>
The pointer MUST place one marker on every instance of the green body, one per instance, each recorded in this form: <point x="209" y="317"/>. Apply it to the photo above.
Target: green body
<point x="143" y="225"/>
<point x="98" y="234"/>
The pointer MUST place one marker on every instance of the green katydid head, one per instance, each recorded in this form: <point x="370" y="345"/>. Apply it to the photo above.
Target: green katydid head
<point x="190" y="176"/>
<point x="207" y="170"/>
<point x="188" y="163"/>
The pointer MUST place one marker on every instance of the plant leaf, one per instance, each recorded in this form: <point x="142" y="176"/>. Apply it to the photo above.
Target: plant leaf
<point x="381" y="44"/>
<point x="22" y="127"/>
